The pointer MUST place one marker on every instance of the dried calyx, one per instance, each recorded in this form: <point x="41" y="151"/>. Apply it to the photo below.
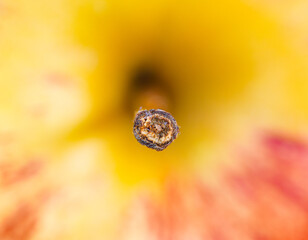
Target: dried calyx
<point x="155" y="128"/>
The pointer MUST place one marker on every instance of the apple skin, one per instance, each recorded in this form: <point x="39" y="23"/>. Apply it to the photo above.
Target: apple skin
<point x="264" y="197"/>
<point x="234" y="75"/>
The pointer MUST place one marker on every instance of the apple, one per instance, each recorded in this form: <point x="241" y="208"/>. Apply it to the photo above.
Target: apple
<point x="232" y="73"/>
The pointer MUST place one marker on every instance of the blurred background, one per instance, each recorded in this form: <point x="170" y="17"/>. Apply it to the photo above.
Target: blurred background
<point x="233" y="73"/>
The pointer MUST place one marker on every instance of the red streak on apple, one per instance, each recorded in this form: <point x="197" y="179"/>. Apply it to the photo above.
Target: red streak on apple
<point x="21" y="223"/>
<point x="264" y="196"/>
<point x="12" y="174"/>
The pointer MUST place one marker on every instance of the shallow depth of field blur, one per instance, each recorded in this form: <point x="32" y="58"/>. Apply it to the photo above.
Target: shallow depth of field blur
<point x="233" y="73"/>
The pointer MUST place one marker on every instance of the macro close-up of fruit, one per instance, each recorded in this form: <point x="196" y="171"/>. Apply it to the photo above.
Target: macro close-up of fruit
<point x="154" y="120"/>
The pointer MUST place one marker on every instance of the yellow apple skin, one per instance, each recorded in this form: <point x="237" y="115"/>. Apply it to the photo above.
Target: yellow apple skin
<point x="236" y="73"/>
